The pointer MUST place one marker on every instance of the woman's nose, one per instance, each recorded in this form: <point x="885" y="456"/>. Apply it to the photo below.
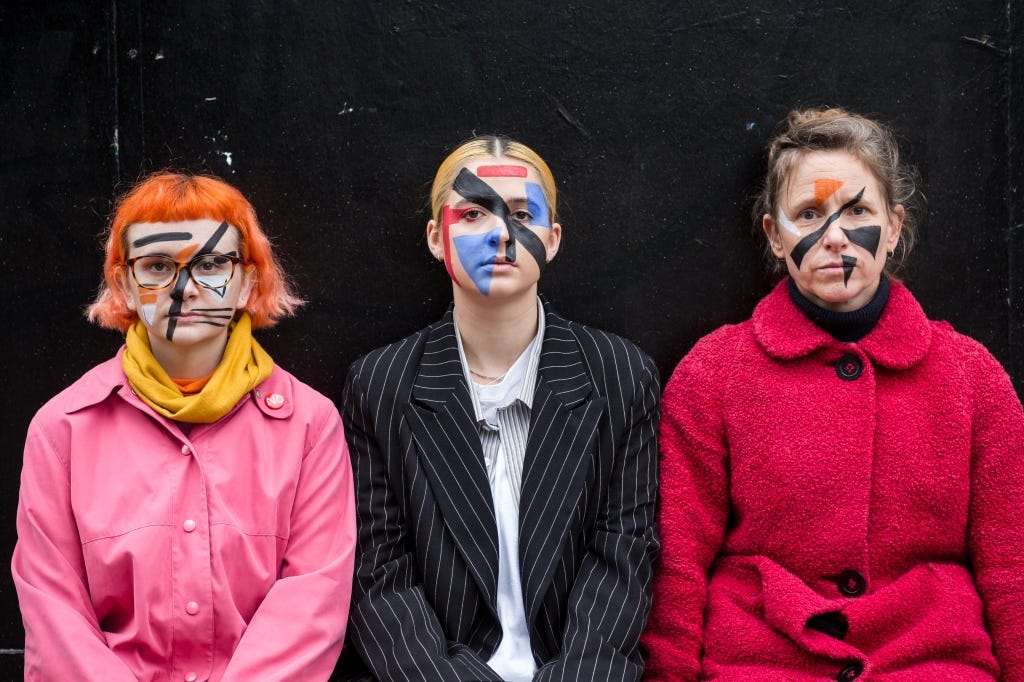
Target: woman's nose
<point x="183" y="287"/>
<point x="834" y="237"/>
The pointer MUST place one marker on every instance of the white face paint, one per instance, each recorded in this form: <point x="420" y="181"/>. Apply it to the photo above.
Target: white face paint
<point x="787" y="224"/>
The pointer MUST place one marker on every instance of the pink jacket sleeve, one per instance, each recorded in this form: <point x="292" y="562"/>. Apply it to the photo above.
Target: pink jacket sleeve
<point x="298" y="630"/>
<point x="63" y="640"/>
<point x="996" y="533"/>
<point x="692" y="515"/>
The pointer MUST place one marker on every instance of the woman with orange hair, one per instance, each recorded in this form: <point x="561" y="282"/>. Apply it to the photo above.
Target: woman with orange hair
<point x="186" y="508"/>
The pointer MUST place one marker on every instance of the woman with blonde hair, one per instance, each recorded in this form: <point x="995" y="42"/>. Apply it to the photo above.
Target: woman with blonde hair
<point x="504" y="459"/>
<point x="186" y="507"/>
<point x="842" y="478"/>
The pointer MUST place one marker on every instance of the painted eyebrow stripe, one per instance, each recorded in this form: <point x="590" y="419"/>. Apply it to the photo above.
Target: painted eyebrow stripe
<point x="805" y="244"/>
<point x="162" y="237"/>
<point x="501" y="171"/>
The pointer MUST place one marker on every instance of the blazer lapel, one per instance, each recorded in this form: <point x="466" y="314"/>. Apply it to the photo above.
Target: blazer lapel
<point x="441" y="421"/>
<point x="563" y="427"/>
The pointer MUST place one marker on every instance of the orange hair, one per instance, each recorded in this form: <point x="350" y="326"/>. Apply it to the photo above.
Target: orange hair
<point x="166" y="197"/>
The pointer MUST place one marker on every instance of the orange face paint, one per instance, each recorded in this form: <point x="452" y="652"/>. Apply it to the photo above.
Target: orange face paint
<point x="825" y="188"/>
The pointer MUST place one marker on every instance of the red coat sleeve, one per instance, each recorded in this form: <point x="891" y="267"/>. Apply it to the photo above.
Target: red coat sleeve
<point x="693" y="512"/>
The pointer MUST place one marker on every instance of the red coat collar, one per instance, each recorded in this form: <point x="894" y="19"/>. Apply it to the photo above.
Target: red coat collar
<point x="900" y="340"/>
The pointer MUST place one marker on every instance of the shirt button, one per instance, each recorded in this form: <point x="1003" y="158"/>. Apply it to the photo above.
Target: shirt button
<point x="189" y="525"/>
<point x="192" y="608"/>
<point x="849" y="367"/>
<point x="852" y="583"/>
<point x="191" y="677"/>
<point x="186" y="450"/>
<point x="850" y="672"/>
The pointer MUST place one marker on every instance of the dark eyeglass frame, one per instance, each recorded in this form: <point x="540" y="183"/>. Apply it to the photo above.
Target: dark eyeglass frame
<point x="179" y="266"/>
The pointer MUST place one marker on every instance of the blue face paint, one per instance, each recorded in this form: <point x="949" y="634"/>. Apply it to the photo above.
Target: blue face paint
<point x="477" y="253"/>
<point x="537" y="205"/>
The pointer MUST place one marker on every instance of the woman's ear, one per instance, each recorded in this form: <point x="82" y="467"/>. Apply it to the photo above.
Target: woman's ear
<point x="435" y="240"/>
<point x="553" y="242"/>
<point x="771" y="232"/>
<point x="897" y="215"/>
<point x="125" y="285"/>
<point x="248" y="285"/>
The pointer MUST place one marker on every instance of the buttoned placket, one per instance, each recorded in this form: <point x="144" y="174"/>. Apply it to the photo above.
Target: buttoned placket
<point x="191" y="564"/>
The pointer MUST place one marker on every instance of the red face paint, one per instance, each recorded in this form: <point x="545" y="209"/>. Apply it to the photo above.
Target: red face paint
<point x="501" y="171"/>
<point x="449" y="216"/>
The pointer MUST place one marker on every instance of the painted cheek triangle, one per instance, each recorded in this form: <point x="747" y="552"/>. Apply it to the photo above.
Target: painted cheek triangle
<point x="849" y="263"/>
<point x="866" y="237"/>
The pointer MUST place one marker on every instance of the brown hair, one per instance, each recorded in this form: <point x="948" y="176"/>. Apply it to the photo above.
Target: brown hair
<point x="834" y="129"/>
<point x="171" y="197"/>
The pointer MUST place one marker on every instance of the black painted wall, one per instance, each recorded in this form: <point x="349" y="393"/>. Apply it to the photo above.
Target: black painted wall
<point x="332" y="117"/>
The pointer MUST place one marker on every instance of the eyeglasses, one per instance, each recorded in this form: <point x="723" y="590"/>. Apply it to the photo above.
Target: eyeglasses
<point x="209" y="270"/>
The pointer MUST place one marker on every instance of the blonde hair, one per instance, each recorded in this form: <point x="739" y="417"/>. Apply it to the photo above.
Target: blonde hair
<point x="835" y="129"/>
<point x="165" y="197"/>
<point x="489" y="146"/>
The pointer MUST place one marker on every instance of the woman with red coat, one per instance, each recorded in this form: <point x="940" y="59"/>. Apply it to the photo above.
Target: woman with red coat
<point x="842" y="478"/>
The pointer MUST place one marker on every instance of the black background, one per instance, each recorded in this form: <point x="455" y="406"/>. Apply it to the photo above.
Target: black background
<point x="332" y="116"/>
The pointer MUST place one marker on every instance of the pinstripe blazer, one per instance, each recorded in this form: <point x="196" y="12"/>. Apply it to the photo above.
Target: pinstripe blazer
<point x="426" y="571"/>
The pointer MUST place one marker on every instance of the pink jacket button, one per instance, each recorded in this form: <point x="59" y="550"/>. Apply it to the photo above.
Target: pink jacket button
<point x="189" y="525"/>
<point x="192" y="608"/>
<point x="191" y="677"/>
<point x="186" y="450"/>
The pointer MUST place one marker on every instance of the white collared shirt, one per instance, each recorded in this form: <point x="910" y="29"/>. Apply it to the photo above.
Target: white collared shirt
<point x="502" y="413"/>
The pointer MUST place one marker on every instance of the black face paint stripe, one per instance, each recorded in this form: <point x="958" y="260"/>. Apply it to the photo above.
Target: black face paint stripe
<point x="162" y="237"/>
<point x="805" y="244"/>
<point x="849" y="263"/>
<point x="177" y="293"/>
<point x="866" y="237"/>
<point x="211" y="243"/>
<point x="472" y="188"/>
<point x="529" y="240"/>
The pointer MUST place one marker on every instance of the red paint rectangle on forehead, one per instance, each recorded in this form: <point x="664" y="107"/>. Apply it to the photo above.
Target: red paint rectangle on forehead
<point x="501" y="171"/>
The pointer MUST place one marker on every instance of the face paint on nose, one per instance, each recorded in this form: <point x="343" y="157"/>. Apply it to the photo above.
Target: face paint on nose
<point x="805" y="244"/>
<point x="178" y="292"/>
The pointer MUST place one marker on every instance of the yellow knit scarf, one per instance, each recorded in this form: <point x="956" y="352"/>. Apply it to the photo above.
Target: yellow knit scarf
<point x="244" y="365"/>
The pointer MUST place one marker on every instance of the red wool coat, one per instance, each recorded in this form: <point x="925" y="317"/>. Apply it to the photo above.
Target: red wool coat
<point x="801" y="476"/>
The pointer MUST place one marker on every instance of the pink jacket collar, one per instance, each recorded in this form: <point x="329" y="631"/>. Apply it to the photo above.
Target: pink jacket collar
<point x="108" y="378"/>
<point x="900" y="340"/>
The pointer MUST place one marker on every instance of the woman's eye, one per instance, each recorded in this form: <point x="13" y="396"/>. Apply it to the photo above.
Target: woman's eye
<point x="472" y="214"/>
<point x="157" y="266"/>
<point x="523" y="216"/>
<point x="808" y="215"/>
<point x="858" y="210"/>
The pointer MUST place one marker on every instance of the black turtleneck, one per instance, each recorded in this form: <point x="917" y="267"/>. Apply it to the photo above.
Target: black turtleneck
<point x="849" y="326"/>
